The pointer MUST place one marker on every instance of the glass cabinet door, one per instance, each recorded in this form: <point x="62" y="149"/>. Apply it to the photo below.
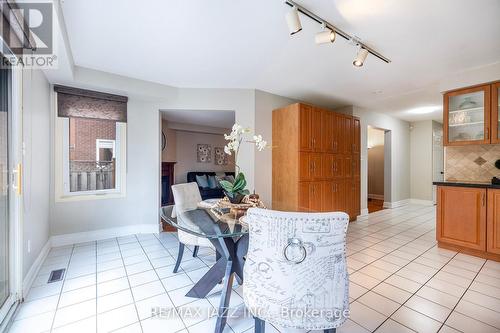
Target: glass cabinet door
<point x="467" y="114"/>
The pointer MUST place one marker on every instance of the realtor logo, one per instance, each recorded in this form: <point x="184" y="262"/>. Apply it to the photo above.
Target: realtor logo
<point x="27" y="32"/>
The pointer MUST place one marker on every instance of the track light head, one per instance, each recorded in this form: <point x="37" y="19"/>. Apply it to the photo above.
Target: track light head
<point x="293" y="21"/>
<point x="360" y="57"/>
<point x="325" y="36"/>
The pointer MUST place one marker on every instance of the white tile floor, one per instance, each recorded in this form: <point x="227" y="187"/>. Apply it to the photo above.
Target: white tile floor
<point x="400" y="282"/>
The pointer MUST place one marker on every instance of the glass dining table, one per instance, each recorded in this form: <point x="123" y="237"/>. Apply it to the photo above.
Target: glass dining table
<point x="229" y="236"/>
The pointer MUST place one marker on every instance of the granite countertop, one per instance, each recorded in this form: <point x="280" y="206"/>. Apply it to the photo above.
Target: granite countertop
<point x="467" y="184"/>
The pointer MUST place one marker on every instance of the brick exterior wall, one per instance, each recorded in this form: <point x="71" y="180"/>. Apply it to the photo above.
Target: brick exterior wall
<point x="83" y="134"/>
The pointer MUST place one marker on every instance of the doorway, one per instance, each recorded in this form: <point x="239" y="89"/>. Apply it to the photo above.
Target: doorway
<point x="376" y="165"/>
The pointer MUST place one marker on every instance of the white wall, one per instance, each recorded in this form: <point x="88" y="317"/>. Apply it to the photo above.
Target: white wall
<point x="146" y="99"/>
<point x="421" y="160"/>
<point x="186" y="154"/>
<point x="398" y="141"/>
<point x="36" y="162"/>
<point x="265" y="103"/>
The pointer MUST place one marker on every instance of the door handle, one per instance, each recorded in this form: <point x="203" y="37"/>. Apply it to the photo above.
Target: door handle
<point x="483" y="199"/>
<point x="487" y="133"/>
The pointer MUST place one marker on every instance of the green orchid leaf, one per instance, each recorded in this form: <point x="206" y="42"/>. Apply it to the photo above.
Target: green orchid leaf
<point x="227" y="186"/>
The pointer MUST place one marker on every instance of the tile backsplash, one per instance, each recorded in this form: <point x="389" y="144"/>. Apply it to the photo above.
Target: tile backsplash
<point x="471" y="163"/>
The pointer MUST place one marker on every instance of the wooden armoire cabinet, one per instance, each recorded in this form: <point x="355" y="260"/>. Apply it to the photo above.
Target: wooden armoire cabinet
<point x="316" y="160"/>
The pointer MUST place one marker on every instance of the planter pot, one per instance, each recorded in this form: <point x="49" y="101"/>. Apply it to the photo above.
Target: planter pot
<point x="236" y="199"/>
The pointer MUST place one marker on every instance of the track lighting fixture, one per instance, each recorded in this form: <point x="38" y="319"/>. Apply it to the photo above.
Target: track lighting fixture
<point x="293" y="21"/>
<point x="329" y="33"/>
<point x="360" y="57"/>
<point x="325" y="36"/>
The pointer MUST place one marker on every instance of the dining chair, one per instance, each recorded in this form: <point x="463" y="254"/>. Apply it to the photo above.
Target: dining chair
<point x="186" y="198"/>
<point x="295" y="274"/>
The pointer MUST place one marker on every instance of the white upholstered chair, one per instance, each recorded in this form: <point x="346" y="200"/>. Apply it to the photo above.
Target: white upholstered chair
<point x="186" y="198"/>
<point x="295" y="274"/>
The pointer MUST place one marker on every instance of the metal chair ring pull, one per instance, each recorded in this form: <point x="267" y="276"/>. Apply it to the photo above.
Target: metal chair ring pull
<point x="295" y="242"/>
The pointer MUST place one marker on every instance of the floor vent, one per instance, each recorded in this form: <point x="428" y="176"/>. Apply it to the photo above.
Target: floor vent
<point x="56" y="275"/>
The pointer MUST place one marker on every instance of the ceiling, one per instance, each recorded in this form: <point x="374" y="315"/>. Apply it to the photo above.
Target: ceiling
<point x="246" y="44"/>
<point x="210" y="118"/>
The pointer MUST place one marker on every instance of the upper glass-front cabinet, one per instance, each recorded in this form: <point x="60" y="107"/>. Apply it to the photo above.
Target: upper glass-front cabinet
<point x="467" y="116"/>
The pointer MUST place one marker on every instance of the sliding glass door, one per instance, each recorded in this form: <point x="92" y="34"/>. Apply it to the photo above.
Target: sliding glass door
<point x="5" y="74"/>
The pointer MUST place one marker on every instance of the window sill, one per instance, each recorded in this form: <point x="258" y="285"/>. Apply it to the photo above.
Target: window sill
<point x="90" y="196"/>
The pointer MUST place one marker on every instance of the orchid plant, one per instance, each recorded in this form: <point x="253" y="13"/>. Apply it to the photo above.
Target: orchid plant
<point x="236" y="191"/>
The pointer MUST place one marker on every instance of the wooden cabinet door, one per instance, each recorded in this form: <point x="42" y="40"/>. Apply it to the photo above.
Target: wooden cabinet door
<point x="355" y="165"/>
<point x="338" y="126"/>
<point x="347" y="166"/>
<point x="316" y="127"/>
<point x="315" y="197"/>
<point x="493" y="224"/>
<point x="304" y="196"/>
<point x="466" y="116"/>
<point x="338" y="196"/>
<point x="328" y="166"/>
<point x="356" y="138"/>
<point x="305" y="166"/>
<point x="347" y="136"/>
<point x="315" y="161"/>
<point x="461" y="217"/>
<point x="356" y="197"/>
<point x="305" y="125"/>
<point x="337" y="166"/>
<point x="495" y="115"/>
<point x="327" y="139"/>
<point x="328" y="188"/>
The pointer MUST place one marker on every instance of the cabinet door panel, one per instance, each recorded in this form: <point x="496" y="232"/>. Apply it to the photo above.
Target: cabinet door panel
<point x="327" y="138"/>
<point x="304" y="195"/>
<point x="328" y="196"/>
<point x="493" y="227"/>
<point x="305" y="128"/>
<point x="355" y="165"/>
<point x="315" y="166"/>
<point x="316" y="125"/>
<point x="315" y="198"/>
<point x="461" y="217"/>
<point x="338" y="199"/>
<point x="347" y="136"/>
<point x="356" y="140"/>
<point x="305" y="167"/>
<point x="338" y="166"/>
<point x="338" y="126"/>
<point x="347" y="166"/>
<point x="466" y="116"/>
<point x="328" y="166"/>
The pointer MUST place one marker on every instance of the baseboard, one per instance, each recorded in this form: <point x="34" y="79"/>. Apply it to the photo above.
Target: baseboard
<point x="376" y="196"/>
<point x="364" y="212"/>
<point x="396" y="204"/>
<point x="35" y="267"/>
<point x="88" y="236"/>
<point x="422" y="202"/>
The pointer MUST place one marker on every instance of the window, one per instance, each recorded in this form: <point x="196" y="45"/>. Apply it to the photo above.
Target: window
<point x="90" y="145"/>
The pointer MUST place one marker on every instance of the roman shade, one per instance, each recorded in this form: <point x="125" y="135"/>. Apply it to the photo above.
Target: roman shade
<point x="80" y="103"/>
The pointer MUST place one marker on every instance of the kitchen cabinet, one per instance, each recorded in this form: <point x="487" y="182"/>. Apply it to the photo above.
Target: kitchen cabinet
<point x="461" y="217"/>
<point x="493" y="221"/>
<point x="470" y="115"/>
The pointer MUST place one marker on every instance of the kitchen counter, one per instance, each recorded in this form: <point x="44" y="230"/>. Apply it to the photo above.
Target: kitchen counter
<point x="467" y="184"/>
